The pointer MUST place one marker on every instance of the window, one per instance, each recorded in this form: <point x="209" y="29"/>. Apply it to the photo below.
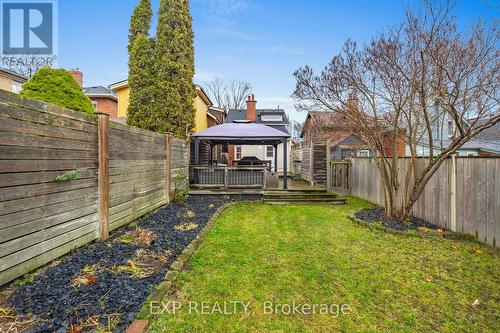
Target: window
<point x="450" y="129"/>
<point x="269" y="151"/>
<point x="16" y="87"/>
<point x="237" y="152"/>
<point x="364" y="153"/>
<point x="271" y="117"/>
<point x="94" y="104"/>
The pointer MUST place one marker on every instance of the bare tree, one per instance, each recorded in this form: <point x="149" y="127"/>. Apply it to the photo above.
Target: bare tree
<point x="232" y="94"/>
<point x="399" y="87"/>
<point x="217" y="89"/>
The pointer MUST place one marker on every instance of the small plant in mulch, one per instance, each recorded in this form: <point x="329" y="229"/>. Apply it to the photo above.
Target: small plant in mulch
<point x="185" y="226"/>
<point x="139" y="236"/>
<point x="131" y="268"/>
<point x="95" y="324"/>
<point x="189" y="214"/>
<point x="88" y="275"/>
<point x="144" y="264"/>
<point x="25" y="279"/>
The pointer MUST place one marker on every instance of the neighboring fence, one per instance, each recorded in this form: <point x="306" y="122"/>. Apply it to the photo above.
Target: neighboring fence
<point x="338" y="177"/>
<point x="136" y="173"/>
<point x="309" y="160"/>
<point x="66" y="178"/>
<point x="463" y="195"/>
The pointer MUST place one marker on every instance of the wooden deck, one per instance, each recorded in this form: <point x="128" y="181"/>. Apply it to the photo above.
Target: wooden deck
<point x="293" y="185"/>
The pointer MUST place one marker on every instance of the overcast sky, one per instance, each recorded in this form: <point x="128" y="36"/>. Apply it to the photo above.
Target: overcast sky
<point x="259" y="41"/>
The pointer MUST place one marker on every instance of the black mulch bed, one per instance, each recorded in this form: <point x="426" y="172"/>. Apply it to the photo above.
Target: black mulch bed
<point x="377" y="215"/>
<point x="58" y="304"/>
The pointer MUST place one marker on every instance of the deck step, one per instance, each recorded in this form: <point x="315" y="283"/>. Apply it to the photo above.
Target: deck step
<point x="314" y="201"/>
<point x="300" y="196"/>
<point x="295" y="191"/>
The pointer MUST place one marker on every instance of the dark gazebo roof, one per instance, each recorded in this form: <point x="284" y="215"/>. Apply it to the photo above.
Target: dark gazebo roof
<point x="242" y="132"/>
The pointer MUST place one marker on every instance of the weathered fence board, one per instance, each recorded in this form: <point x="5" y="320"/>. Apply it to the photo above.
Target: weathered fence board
<point x="42" y="218"/>
<point x="476" y="209"/>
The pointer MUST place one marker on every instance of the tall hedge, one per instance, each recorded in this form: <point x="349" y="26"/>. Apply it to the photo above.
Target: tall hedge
<point x="142" y="74"/>
<point x="57" y="86"/>
<point x="174" y="110"/>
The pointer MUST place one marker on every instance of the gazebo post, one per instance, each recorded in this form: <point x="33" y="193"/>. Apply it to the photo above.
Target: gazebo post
<point x="285" y="164"/>
<point x="275" y="145"/>
<point x="210" y="155"/>
<point x="196" y="151"/>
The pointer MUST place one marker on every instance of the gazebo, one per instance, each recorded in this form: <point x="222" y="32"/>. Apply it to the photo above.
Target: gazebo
<point x="237" y="133"/>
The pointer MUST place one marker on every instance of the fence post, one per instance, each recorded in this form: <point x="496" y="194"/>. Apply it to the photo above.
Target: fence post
<point x="328" y="167"/>
<point x="103" y="175"/>
<point x="226" y="176"/>
<point x="168" y="166"/>
<point x="453" y="193"/>
<point x="311" y="163"/>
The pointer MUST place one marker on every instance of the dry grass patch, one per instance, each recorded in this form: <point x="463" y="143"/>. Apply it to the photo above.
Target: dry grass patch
<point x="88" y="275"/>
<point x="12" y="323"/>
<point x="94" y="324"/>
<point x="185" y="226"/>
<point x="139" y="236"/>
<point x="144" y="264"/>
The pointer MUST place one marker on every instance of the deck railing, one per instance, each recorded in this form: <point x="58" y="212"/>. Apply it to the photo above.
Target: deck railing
<point x="213" y="176"/>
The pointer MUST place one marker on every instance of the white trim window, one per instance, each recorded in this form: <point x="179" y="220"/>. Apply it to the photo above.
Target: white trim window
<point x="237" y="152"/>
<point x="94" y="104"/>
<point x="269" y="152"/>
<point x="16" y="87"/>
<point x="271" y="117"/>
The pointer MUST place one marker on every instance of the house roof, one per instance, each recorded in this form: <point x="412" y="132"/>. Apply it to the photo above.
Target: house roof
<point x="119" y="85"/>
<point x="241" y="132"/>
<point x="326" y="118"/>
<point x="489" y="134"/>
<point x="237" y="114"/>
<point x="203" y="95"/>
<point x="217" y="114"/>
<point x="100" y="91"/>
<point x="4" y="72"/>
<point x="474" y="144"/>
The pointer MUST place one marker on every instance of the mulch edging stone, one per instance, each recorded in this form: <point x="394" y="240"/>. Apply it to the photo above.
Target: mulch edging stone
<point x="57" y="305"/>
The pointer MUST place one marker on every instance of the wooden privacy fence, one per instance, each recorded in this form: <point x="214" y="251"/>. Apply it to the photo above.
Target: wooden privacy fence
<point x="309" y="160"/>
<point x="67" y="178"/>
<point x="338" y="176"/>
<point x="463" y="195"/>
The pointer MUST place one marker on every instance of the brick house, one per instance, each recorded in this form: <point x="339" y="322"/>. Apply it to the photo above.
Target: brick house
<point x="320" y="126"/>
<point x="103" y="99"/>
<point x="11" y="81"/>
<point x="328" y="126"/>
<point x="275" y="118"/>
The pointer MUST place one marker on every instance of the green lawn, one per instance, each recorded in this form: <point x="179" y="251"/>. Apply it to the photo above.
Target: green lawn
<point x="315" y="255"/>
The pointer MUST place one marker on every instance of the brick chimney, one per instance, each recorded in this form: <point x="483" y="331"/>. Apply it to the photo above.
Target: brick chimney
<point x="251" y="108"/>
<point x="352" y="102"/>
<point x="77" y="75"/>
